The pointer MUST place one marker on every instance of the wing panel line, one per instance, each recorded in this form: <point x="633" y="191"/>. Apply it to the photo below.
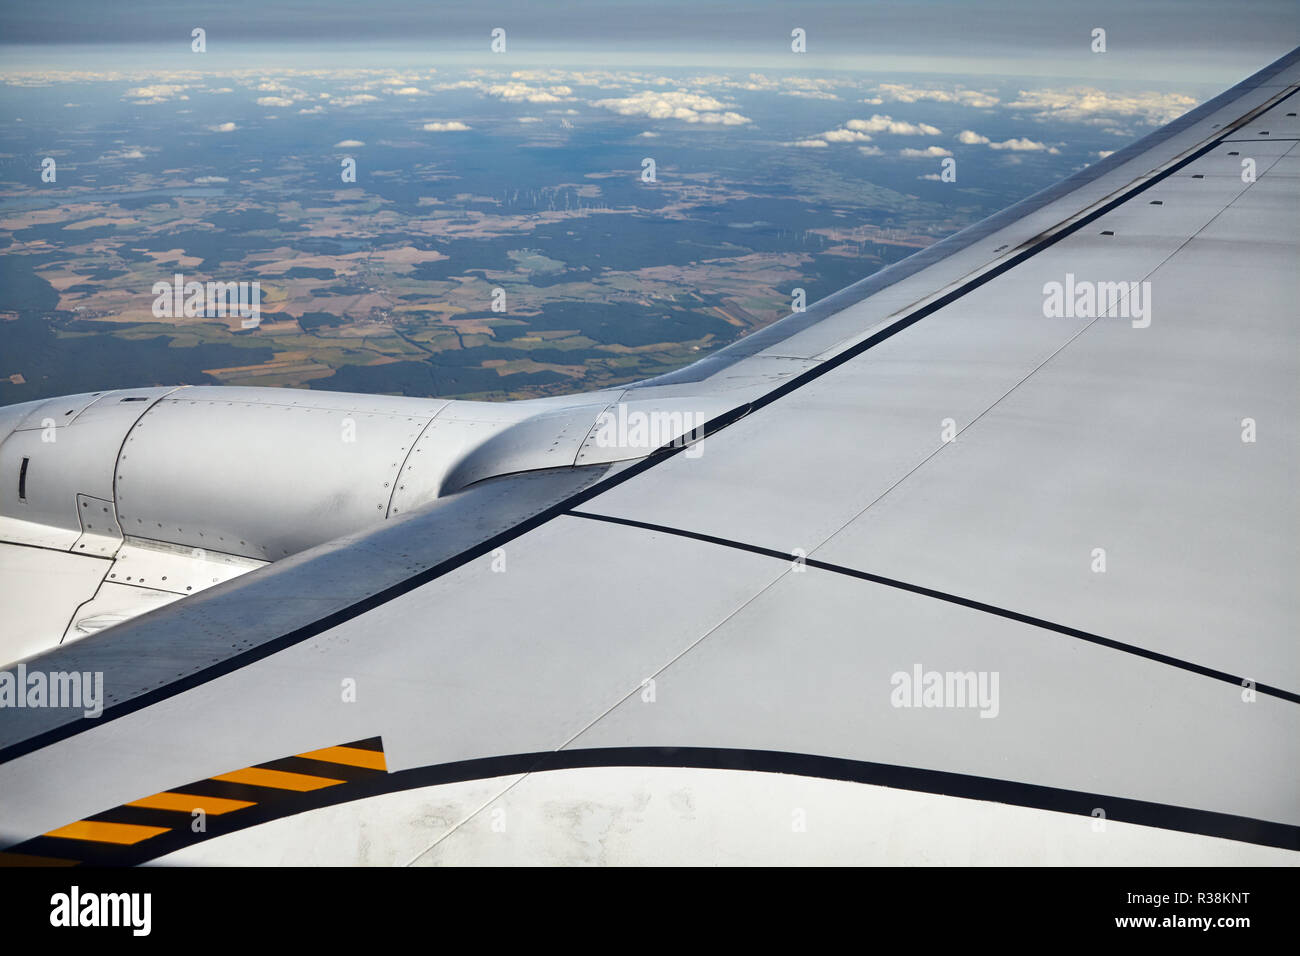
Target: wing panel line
<point x="957" y="599"/>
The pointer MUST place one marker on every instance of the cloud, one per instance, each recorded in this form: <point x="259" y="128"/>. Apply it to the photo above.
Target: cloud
<point x="408" y="91"/>
<point x="811" y="94"/>
<point x="1087" y="104"/>
<point x="887" y="124"/>
<point x="523" y="93"/>
<point x="453" y="126"/>
<point x="932" y="177"/>
<point x="871" y="151"/>
<point x="126" y="152"/>
<point x="928" y="152"/>
<point x="210" y="180"/>
<point x="1102" y="154"/>
<point x="845" y="136"/>
<point x="224" y="128"/>
<point x="972" y="138"/>
<point x="348" y="143"/>
<point x="860" y="130"/>
<point x="819" y="88"/>
<point x="1024" y="146"/>
<point x="158" y="93"/>
<point x="356" y="100"/>
<point x="647" y="135"/>
<point x="679" y="105"/>
<point x="274" y="101"/>
<point x="460" y="85"/>
<point x="600" y="79"/>
<point x="314" y="109"/>
<point x="902" y="93"/>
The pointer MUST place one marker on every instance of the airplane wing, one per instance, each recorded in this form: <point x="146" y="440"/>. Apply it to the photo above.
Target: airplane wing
<point x="990" y="557"/>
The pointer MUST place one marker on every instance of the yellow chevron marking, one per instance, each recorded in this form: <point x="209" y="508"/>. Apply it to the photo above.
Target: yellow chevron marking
<point x="352" y="756"/>
<point x="188" y="803"/>
<point x="277" y="779"/>
<point x="100" y="832"/>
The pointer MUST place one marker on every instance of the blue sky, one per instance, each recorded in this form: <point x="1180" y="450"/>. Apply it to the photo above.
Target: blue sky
<point x="1175" y="41"/>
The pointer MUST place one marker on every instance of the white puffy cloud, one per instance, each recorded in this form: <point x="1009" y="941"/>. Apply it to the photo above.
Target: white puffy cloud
<point x="1022" y="145"/>
<point x="601" y="79"/>
<point x="408" y="91"/>
<point x="127" y="152"/>
<point x="811" y="94"/>
<point x="210" y="180"/>
<point x="223" y="128"/>
<point x="887" y="124"/>
<point x="523" y="93"/>
<point x="860" y="130"/>
<point x="355" y="100"/>
<point x="348" y="143"/>
<point x="1087" y="104"/>
<point x="846" y="136"/>
<point x="819" y="88"/>
<point x="678" y="105"/>
<point x="903" y="93"/>
<point x="928" y="152"/>
<point x="274" y="101"/>
<point x="157" y="93"/>
<point x="452" y="126"/>
<point x="871" y="151"/>
<point x="808" y="143"/>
